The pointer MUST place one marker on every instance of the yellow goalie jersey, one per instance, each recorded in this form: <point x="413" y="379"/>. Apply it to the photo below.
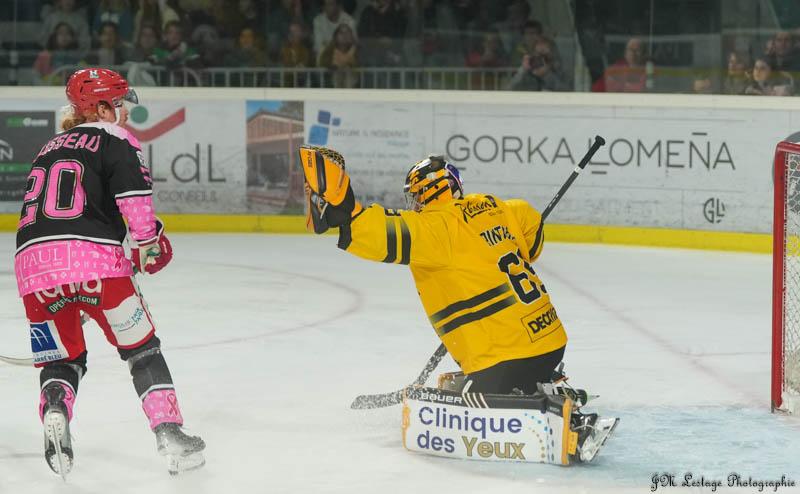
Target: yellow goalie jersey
<point x="470" y="259"/>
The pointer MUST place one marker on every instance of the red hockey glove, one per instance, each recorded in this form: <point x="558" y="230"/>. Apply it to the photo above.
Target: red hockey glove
<point x="153" y="256"/>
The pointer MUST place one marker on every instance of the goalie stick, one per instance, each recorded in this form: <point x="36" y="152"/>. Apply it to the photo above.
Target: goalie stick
<point x="388" y="399"/>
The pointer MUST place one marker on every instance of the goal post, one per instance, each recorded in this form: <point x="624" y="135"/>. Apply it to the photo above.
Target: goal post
<point x="786" y="280"/>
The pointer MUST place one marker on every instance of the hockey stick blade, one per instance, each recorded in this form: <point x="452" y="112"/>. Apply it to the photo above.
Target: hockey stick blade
<point x="28" y="362"/>
<point x="366" y="402"/>
<point x="22" y="362"/>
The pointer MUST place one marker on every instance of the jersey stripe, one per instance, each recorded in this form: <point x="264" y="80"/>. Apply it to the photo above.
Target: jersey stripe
<point x="133" y="193"/>
<point x="469" y="303"/>
<point x="405" y="243"/>
<point x="477" y="315"/>
<point x="391" y="241"/>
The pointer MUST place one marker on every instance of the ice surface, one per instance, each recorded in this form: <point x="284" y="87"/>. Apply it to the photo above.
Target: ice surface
<point x="269" y="338"/>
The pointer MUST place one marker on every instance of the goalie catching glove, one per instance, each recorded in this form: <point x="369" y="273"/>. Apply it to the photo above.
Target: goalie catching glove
<point x="330" y="201"/>
<point x="151" y="256"/>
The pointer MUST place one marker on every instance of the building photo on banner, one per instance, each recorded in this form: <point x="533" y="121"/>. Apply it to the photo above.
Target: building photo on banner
<point x="304" y="368"/>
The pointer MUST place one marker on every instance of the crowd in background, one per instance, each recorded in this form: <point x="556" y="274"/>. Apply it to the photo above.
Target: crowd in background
<point x="342" y="36"/>
<point x="339" y="35"/>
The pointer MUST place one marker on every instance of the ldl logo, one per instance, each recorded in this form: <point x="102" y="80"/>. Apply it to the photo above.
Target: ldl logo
<point x="318" y="134"/>
<point x="714" y="210"/>
<point x="140" y="115"/>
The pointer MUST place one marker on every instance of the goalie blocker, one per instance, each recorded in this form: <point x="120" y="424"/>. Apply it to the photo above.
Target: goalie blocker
<point x="537" y="428"/>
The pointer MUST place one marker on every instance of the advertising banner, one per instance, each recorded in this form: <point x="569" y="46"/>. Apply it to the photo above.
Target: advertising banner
<point x="274" y="177"/>
<point x="22" y="133"/>
<point x="195" y="148"/>
<point x="672" y="168"/>
<point x="675" y="168"/>
<point x="379" y="141"/>
<point x="196" y="154"/>
<point x="700" y="169"/>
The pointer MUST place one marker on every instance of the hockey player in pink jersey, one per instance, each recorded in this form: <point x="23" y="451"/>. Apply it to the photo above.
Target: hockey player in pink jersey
<point x="70" y="260"/>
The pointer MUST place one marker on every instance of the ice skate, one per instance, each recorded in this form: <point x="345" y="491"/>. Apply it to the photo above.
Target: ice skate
<point x="183" y="452"/>
<point x="593" y="432"/>
<point x="57" y="440"/>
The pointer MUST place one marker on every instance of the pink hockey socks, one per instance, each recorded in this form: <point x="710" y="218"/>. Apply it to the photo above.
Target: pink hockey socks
<point x="161" y="406"/>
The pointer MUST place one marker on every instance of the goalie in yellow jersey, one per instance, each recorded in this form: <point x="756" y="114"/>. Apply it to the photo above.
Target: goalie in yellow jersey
<point x="470" y="256"/>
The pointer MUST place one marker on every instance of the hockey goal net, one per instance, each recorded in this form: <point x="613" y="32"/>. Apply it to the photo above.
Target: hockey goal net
<point x="786" y="280"/>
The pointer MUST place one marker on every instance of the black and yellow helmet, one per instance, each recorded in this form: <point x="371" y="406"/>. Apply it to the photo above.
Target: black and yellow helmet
<point x="430" y="181"/>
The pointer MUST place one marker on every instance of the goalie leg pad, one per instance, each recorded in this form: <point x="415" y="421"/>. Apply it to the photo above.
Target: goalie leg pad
<point x="535" y="428"/>
<point x="477" y="426"/>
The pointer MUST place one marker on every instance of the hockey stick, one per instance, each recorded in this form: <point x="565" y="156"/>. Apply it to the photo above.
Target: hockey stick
<point x="28" y="362"/>
<point x="388" y="399"/>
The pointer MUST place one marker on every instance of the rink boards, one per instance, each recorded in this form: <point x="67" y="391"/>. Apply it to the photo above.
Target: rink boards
<point x="677" y="170"/>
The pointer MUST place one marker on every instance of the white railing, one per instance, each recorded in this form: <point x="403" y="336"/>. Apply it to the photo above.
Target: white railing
<point x="457" y="78"/>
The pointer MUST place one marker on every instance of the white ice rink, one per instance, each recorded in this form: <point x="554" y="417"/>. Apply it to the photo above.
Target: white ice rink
<point x="269" y="338"/>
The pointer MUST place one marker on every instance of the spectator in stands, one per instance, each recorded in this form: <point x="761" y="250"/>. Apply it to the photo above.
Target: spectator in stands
<point x="249" y="12"/>
<point x="61" y="50"/>
<point x="781" y="53"/>
<point x="340" y="56"/>
<point x="118" y="12"/>
<point x="295" y="51"/>
<point x="381" y="28"/>
<point x="211" y="48"/>
<point x="247" y="52"/>
<point x="736" y="79"/>
<point x="766" y="81"/>
<point x="328" y="21"/>
<point x="225" y="16"/>
<point x="627" y="75"/>
<point x="490" y="54"/>
<point x="64" y="12"/>
<point x="151" y="12"/>
<point x="278" y="24"/>
<point x="174" y="52"/>
<point x="703" y="84"/>
<point x="464" y="12"/>
<point x="146" y="43"/>
<point x="532" y="32"/>
<point x="432" y="37"/>
<point x="539" y="71"/>
<point x="111" y="50"/>
<point x="517" y="14"/>
<point x="296" y="54"/>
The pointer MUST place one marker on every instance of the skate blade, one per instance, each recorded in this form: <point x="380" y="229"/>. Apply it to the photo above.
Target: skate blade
<point x="59" y="460"/>
<point x="603" y="429"/>
<point x="180" y="464"/>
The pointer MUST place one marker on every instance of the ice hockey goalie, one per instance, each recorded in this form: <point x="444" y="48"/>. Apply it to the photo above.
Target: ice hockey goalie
<point x="471" y="259"/>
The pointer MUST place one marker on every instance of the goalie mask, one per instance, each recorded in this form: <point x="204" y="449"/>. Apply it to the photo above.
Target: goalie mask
<point x="432" y="181"/>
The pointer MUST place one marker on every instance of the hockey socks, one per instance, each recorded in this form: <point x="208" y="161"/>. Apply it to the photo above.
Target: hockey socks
<point x="153" y="383"/>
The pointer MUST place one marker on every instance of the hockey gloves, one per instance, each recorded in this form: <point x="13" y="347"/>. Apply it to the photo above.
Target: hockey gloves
<point x="329" y="197"/>
<point x="151" y="257"/>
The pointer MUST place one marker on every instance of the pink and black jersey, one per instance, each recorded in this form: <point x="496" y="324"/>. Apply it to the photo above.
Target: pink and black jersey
<point x="82" y="184"/>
